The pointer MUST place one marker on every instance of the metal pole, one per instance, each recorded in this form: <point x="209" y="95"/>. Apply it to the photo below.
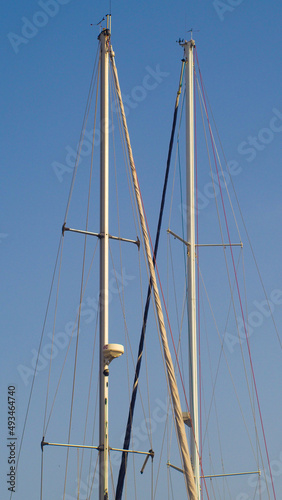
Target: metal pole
<point x="104" y="38"/>
<point x="191" y="261"/>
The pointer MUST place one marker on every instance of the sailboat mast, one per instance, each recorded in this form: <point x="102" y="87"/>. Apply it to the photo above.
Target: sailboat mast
<point x="104" y="39"/>
<point x="191" y="260"/>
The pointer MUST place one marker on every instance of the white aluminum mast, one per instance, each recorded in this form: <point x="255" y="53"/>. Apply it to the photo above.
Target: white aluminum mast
<point x="191" y="261"/>
<point x="104" y="39"/>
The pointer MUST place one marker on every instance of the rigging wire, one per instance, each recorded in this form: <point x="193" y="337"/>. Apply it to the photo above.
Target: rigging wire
<point x="88" y="404"/>
<point x="243" y="316"/>
<point x="198" y="281"/>
<point x="87" y="218"/>
<point x="89" y="396"/>
<point x="244" y="222"/>
<point x="176" y="155"/>
<point x="94" y="475"/>
<point x="86" y="114"/>
<point x="76" y="357"/>
<point x="96" y="70"/>
<point x="232" y="379"/>
<point x="259" y="451"/>
<point x="237" y="328"/>
<point x="212" y="138"/>
<point x="78" y="474"/>
<point x="220" y="227"/>
<point x="180" y="320"/>
<point x="134" y="208"/>
<point x="166" y="429"/>
<point x="53" y="335"/>
<point x="82" y="279"/>
<point x="39" y="350"/>
<point x="89" y="487"/>
<point x="66" y="355"/>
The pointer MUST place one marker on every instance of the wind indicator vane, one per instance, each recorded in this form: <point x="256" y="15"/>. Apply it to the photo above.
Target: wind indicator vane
<point x="191" y="31"/>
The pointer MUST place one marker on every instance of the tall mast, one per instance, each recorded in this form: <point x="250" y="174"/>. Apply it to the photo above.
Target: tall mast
<point x="104" y="39"/>
<point x="191" y="261"/>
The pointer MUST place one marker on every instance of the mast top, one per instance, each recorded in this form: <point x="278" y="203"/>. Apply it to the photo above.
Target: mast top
<point x="109" y="21"/>
<point x="185" y="43"/>
<point x="107" y="30"/>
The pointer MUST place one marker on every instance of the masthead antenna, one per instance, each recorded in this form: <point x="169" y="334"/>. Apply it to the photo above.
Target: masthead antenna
<point x="108" y="16"/>
<point x="99" y="23"/>
<point x="191" y="31"/>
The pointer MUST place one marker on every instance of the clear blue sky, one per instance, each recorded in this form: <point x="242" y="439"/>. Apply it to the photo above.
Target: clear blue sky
<point x="46" y="63"/>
